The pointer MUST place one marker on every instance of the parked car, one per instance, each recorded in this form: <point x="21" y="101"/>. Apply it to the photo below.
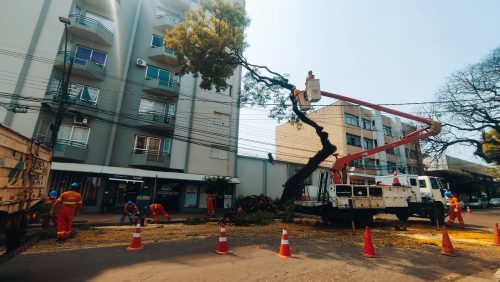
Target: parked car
<point x="477" y="204"/>
<point x="495" y="202"/>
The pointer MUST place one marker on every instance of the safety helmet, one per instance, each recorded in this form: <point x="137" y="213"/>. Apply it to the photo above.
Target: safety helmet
<point x="129" y="203"/>
<point x="53" y="194"/>
<point x="447" y="193"/>
<point x="74" y="185"/>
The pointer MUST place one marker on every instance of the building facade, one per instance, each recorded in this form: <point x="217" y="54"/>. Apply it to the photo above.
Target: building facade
<point x="352" y="129"/>
<point x="133" y="128"/>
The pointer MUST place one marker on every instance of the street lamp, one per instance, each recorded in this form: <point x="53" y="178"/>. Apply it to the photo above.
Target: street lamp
<point x="64" y="86"/>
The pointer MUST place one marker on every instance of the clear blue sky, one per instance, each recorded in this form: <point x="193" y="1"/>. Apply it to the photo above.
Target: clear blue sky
<point x="384" y="51"/>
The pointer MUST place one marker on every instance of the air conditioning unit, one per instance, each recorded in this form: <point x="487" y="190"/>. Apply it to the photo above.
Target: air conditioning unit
<point x="141" y="62"/>
<point x="81" y="120"/>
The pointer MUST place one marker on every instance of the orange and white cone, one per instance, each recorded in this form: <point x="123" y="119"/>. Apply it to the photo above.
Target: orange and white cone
<point x="496" y="235"/>
<point x="468" y="210"/>
<point x="222" y="248"/>
<point x="135" y="243"/>
<point x="447" y="247"/>
<point x="285" y="251"/>
<point x="395" y="181"/>
<point x="368" y="250"/>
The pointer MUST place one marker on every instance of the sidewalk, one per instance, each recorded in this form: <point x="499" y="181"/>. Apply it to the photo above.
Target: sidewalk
<point x="103" y="219"/>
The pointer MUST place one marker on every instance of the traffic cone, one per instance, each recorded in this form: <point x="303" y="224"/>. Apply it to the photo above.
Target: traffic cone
<point x="395" y="181"/>
<point x="447" y="247"/>
<point x="468" y="210"/>
<point x="222" y="248"/>
<point x="368" y="250"/>
<point x="285" y="251"/>
<point x="496" y="235"/>
<point x="135" y="243"/>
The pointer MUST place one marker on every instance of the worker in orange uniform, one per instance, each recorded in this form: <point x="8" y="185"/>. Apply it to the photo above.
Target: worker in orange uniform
<point x="67" y="206"/>
<point x="455" y="210"/>
<point x="210" y="204"/>
<point x="47" y="207"/>
<point x="130" y="210"/>
<point x="156" y="210"/>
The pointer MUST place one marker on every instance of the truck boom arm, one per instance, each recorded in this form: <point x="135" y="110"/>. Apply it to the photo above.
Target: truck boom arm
<point x="339" y="168"/>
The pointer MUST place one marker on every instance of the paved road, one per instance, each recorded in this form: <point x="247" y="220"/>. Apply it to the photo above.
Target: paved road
<point x="253" y="260"/>
<point x="483" y="219"/>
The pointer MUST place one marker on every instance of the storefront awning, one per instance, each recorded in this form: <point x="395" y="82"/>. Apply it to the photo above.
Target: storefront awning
<point x="112" y="170"/>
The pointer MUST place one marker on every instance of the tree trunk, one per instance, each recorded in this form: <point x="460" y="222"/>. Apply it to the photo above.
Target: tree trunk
<point x="294" y="183"/>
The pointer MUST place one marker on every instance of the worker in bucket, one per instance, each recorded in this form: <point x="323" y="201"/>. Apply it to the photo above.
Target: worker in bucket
<point x="455" y="210"/>
<point x="66" y="207"/>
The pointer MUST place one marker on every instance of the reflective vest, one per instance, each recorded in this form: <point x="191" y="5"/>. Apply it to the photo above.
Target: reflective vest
<point x="69" y="200"/>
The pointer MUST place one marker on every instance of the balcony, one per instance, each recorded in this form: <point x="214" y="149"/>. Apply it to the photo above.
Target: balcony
<point x="163" y="87"/>
<point x="154" y="121"/>
<point x="163" y="55"/>
<point x="163" y="22"/>
<point x="72" y="104"/>
<point x="90" y="29"/>
<point x="67" y="150"/>
<point x="81" y="67"/>
<point x="149" y="159"/>
<point x="107" y="6"/>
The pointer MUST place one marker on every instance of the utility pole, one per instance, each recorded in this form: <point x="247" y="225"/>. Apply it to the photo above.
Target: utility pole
<point x="64" y="87"/>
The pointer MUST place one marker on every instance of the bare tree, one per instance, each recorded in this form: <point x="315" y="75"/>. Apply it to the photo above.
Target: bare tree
<point x="468" y="106"/>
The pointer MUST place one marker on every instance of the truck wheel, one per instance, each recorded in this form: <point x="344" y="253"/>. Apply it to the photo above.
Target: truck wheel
<point x="439" y="210"/>
<point x="403" y="214"/>
<point x="16" y="237"/>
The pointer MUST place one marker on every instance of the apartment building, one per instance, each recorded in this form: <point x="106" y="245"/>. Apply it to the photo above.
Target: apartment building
<point x="133" y="128"/>
<point x="352" y="129"/>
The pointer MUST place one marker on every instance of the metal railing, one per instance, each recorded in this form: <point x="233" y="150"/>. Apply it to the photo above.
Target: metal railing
<point x="155" y="156"/>
<point x="47" y="142"/>
<point x="161" y="118"/>
<point x="89" y="22"/>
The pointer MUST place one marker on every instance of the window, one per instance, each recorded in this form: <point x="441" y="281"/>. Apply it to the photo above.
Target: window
<point x="167" y="146"/>
<point x="219" y="152"/>
<point x="434" y="183"/>
<point x="391" y="167"/>
<point x="390" y="151"/>
<point x="84" y="54"/>
<point x="422" y="184"/>
<point x="367" y="124"/>
<point x="413" y="181"/>
<point x="353" y="140"/>
<point x="76" y="10"/>
<point x="369" y="164"/>
<point x="407" y="152"/>
<point x="43" y="129"/>
<point x="227" y="91"/>
<point x="351" y="120"/>
<point x="221" y="119"/>
<point x="107" y="23"/>
<point x="356" y="163"/>
<point x="157" y="110"/>
<point x="83" y="92"/>
<point x="155" y="148"/>
<point x="387" y="130"/>
<point x="157" y="41"/>
<point x="73" y="135"/>
<point x="413" y="154"/>
<point x="368" y="143"/>
<point x="162" y="13"/>
<point x="162" y="74"/>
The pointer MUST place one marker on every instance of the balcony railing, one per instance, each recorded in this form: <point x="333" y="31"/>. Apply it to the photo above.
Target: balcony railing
<point x="81" y="66"/>
<point x="167" y="87"/>
<point x="163" y="54"/>
<point x="160" y="118"/>
<point x="148" y="158"/>
<point x="167" y="21"/>
<point x="67" y="149"/>
<point x="90" y="29"/>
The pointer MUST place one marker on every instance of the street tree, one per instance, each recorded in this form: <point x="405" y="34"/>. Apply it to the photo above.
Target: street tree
<point x="468" y="106"/>
<point x="210" y="42"/>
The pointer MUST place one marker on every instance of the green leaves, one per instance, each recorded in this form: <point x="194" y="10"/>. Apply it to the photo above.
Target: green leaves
<point x="207" y="41"/>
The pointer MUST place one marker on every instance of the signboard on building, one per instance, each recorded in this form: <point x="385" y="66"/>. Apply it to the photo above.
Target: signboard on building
<point x="190" y="197"/>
